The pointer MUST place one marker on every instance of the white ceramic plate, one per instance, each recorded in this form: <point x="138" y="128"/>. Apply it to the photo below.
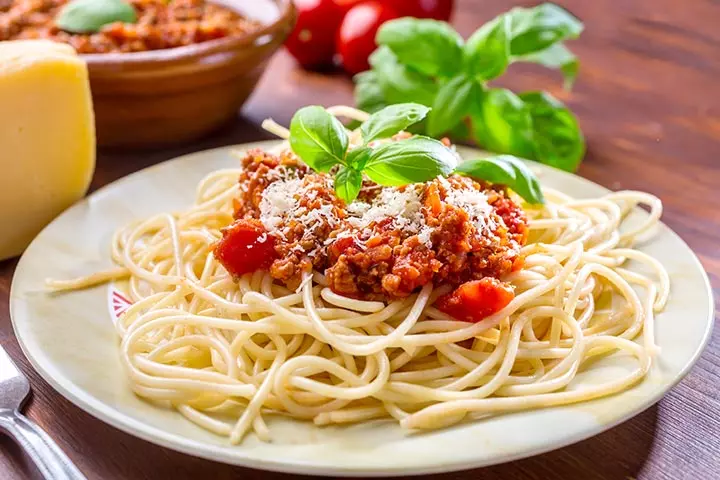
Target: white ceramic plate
<point x="70" y="340"/>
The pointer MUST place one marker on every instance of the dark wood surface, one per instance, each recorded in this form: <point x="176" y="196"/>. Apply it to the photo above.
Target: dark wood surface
<point x="648" y="98"/>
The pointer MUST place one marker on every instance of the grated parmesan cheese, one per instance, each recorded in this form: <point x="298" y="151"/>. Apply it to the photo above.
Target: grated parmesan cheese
<point x="281" y="201"/>
<point x="404" y="207"/>
<point x="471" y="201"/>
<point x="278" y="199"/>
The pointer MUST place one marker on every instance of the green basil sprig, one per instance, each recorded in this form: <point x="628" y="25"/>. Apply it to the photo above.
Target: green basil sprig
<point x="432" y="48"/>
<point x="392" y="120"/>
<point x="427" y="62"/>
<point x="399" y="82"/>
<point x="368" y="91"/>
<point x="453" y="102"/>
<point x="318" y="138"/>
<point x="348" y="183"/>
<point x="89" y="16"/>
<point x="557" y="140"/>
<point x="487" y="52"/>
<point x="535" y="29"/>
<point x="506" y="170"/>
<point x="322" y="142"/>
<point x="417" y="159"/>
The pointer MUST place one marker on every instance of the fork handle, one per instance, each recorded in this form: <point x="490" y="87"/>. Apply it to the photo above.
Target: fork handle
<point x="52" y="462"/>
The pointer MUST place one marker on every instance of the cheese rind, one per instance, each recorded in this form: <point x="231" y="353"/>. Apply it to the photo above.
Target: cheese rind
<point x="47" y="137"/>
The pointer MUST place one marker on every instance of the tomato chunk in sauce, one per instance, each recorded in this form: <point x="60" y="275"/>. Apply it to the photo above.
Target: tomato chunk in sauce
<point x="245" y="247"/>
<point x="476" y="300"/>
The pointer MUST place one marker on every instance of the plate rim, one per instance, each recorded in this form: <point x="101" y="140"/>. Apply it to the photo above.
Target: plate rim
<point x="99" y="410"/>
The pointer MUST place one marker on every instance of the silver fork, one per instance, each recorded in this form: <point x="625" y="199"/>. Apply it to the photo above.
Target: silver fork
<point x="49" y="459"/>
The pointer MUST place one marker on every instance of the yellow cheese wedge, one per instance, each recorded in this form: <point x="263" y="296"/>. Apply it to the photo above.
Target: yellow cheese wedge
<point x="47" y="137"/>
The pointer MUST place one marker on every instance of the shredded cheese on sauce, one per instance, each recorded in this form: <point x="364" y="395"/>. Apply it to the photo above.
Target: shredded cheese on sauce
<point x="471" y="201"/>
<point x="404" y="207"/>
<point x="281" y="202"/>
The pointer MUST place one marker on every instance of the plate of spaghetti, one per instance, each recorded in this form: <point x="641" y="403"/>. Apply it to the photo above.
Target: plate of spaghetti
<point x="360" y="302"/>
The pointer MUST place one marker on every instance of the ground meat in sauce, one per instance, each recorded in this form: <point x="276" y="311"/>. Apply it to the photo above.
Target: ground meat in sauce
<point x="161" y="24"/>
<point x="260" y="169"/>
<point x="382" y="261"/>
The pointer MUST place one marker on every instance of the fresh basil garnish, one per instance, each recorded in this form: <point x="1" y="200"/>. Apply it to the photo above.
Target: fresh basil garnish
<point x="89" y="16"/>
<point x="417" y="159"/>
<point x="418" y="61"/>
<point x="322" y="142"/>
<point x="348" y="182"/>
<point x="502" y="123"/>
<point x="461" y="131"/>
<point x="400" y="83"/>
<point x="357" y="158"/>
<point x="428" y="46"/>
<point x="535" y="29"/>
<point x="558" y="140"/>
<point x="487" y="52"/>
<point x="368" y="92"/>
<point x="318" y="138"/>
<point x="506" y="170"/>
<point x="391" y="120"/>
<point x="452" y="104"/>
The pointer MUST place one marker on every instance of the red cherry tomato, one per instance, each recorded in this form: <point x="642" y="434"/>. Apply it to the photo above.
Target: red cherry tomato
<point x="475" y="300"/>
<point x="356" y="38"/>
<point x="437" y="9"/>
<point x="346" y="5"/>
<point x="245" y="247"/>
<point x="312" y="42"/>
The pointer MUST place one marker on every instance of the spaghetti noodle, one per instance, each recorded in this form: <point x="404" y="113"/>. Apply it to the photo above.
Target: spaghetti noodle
<point x="226" y="353"/>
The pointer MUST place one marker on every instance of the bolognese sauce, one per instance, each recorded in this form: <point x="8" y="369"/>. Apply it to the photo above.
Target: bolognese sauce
<point x="388" y="243"/>
<point x="160" y="24"/>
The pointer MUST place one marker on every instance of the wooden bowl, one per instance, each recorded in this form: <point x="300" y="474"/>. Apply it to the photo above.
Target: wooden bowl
<point x="164" y="97"/>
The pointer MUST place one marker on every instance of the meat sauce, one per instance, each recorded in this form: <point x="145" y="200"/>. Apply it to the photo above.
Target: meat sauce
<point x="454" y="231"/>
<point x="160" y="24"/>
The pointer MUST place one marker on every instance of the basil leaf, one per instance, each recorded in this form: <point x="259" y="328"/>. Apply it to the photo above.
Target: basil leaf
<point x="535" y="29"/>
<point x="428" y="46"/>
<point x="318" y="138"/>
<point x="453" y="103"/>
<point x="400" y="83"/>
<point x="348" y="183"/>
<point x="358" y="157"/>
<point x="558" y="140"/>
<point x="461" y="131"/>
<point x="89" y="16"/>
<point x="369" y="96"/>
<point x="501" y="123"/>
<point x="506" y="170"/>
<point x="417" y="159"/>
<point x="390" y="120"/>
<point x="556" y="56"/>
<point x="487" y="52"/>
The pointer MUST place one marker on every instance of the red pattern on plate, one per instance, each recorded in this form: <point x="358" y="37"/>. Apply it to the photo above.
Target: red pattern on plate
<point x="119" y="303"/>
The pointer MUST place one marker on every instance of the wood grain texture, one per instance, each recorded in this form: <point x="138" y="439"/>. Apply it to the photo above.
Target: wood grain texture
<point x="648" y="99"/>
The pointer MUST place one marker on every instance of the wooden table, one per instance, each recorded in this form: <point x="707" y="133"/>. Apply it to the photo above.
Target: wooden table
<point x="648" y="99"/>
